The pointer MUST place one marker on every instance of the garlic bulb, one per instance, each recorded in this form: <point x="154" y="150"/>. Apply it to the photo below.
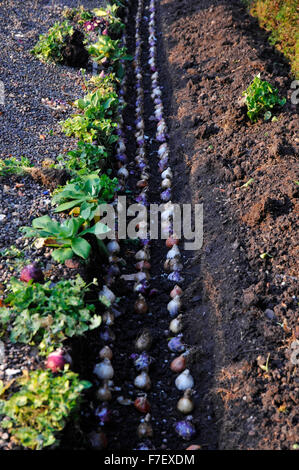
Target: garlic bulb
<point x="104" y="370"/>
<point x="143" y="381"/>
<point x="184" y="380"/>
<point x="174" y="306"/>
<point x="107" y="294"/>
<point x="175" y="251"/>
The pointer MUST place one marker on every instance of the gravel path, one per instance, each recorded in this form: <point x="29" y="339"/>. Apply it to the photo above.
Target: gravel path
<point x="29" y="127"/>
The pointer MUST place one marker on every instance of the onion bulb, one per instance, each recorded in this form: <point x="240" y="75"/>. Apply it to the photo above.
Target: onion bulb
<point x="57" y="360"/>
<point x="178" y="364"/>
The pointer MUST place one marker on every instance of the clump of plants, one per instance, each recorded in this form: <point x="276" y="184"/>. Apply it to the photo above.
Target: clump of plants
<point x="46" y="314"/>
<point x="50" y="45"/>
<point x="260" y="98"/>
<point x="39" y="404"/>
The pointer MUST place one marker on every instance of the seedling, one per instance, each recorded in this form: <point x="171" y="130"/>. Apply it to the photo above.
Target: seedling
<point x="261" y="97"/>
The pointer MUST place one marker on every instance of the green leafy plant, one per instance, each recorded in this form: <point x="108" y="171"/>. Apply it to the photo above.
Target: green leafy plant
<point x="85" y="158"/>
<point x="107" y="49"/>
<point x="49" y="46"/>
<point x="67" y="237"/>
<point x="11" y="166"/>
<point x="41" y="406"/>
<point x="87" y="130"/>
<point x="85" y="194"/>
<point x="47" y="314"/>
<point x="260" y="97"/>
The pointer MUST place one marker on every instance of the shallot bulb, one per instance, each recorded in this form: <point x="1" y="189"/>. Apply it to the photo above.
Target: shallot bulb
<point x="140" y="305"/>
<point x="178" y="364"/>
<point x="185" y="404"/>
<point x="141" y="404"/>
<point x="106" y="353"/>
<point x="103" y="393"/>
<point x="144" y="341"/>
<point x="184" y="380"/>
<point x="176" y="291"/>
<point x="176" y="325"/>
<point x="145" y="429"/>
<point x="106" y="295"/>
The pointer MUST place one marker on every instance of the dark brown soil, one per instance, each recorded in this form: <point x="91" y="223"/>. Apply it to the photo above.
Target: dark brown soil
<point x="249" y="308"/>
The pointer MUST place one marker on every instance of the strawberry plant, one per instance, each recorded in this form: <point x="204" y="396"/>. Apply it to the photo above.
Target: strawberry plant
<point x="85" y="194"/>
<point x="67" y="237"/>
<point x="47" y="314"/>
<point x="40" y="405"/>
<point x="260" y="97"/>
<point x="11" y="166"/>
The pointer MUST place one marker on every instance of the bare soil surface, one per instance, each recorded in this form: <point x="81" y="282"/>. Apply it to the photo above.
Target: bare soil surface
<point x="213" y="50"/>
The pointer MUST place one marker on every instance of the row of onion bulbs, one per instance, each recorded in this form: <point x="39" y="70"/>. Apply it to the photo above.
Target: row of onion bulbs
<point x="184" y="381"/>
<point x="103" y="370"/>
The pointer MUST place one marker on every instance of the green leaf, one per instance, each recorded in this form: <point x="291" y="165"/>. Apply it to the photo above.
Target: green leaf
<point x="81" y="247"/>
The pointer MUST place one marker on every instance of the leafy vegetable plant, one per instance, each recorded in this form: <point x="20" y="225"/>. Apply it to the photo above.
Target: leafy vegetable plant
<point x="85" y="158"/>
<point x="11" y="166"/>
<point x="85" y="194"/>
<point x="41" y="406"/>
<point x="67" y="238"/>
<point x="49" y="46"/>
<point x="46" y="314"/>
<point x="260" y="97"/>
